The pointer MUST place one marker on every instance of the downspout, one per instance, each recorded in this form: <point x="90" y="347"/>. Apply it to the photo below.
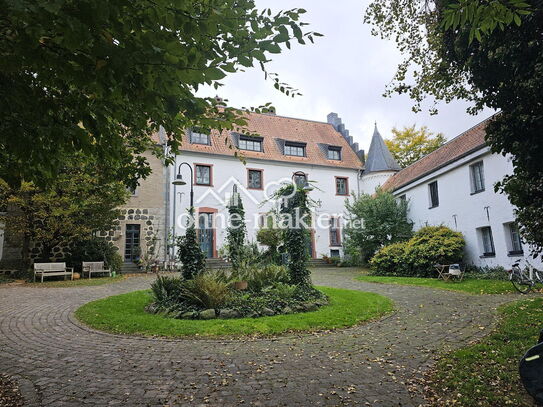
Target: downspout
<point x="166" y="202"/>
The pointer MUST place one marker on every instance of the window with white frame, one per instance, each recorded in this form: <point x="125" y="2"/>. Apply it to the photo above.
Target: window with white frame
<point x="334" y="153"/>
<point x="203" y="174"/>
<point x="250" y="143"/>
<point x="433" y="194"/>
<point x="342" y="186"/>
<point x="488" y="241"/>
<point x="477" y="177"/>
<point x="199" y="138"/>
<point x="295" y="149"/>
<point x="254" y="179"/>
<point x="300" y="180"/>
<point x="515" y="242"/>
<point x="335" y="232"/>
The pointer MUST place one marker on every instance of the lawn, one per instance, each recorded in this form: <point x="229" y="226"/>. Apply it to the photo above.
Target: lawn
<point x="79" y="282"/>
<point x="472" y="286"/>
<point x="486" y="374"/>
<point x="125" y="314"/>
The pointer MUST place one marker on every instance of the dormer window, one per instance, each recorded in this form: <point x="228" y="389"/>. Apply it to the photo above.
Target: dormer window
<point x="199" y="138"/>
<point x="334" y="153"/>
<point x="250" y="143"/>
<point x="295" y="149"/>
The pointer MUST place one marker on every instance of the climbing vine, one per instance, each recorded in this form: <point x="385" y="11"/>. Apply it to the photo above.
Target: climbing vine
<point x="236" y="231"/>
<point x="296" y="216"/>
<point x="189" y="252"/>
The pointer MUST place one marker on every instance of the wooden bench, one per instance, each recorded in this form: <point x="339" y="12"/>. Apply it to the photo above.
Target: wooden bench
<point x="95" y="267"/>
<point x="52" y="269"/>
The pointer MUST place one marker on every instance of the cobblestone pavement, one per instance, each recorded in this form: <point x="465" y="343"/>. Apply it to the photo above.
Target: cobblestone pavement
<point x="368" y="365"/>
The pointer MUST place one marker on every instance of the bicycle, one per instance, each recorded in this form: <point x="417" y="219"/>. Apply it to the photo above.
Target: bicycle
<point x="524" y="279"/>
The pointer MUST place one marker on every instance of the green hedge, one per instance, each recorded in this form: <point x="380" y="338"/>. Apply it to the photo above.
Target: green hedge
<point x="417" y="256"/>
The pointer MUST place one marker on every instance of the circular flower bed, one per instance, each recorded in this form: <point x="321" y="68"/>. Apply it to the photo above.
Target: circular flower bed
<point x="125" y="314"/>
<point x="263" y="292"/>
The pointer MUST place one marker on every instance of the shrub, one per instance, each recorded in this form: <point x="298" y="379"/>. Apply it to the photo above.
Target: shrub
<point x="94" y="249"/>
<point x="189" y="252"/>
<point x="389" y="260"/>
<point x="266" y="276"/>
<point x="417" y="257"/>
<point x="205" y="291"/>
<point x="375" y="221"/>
<point x="166" y="291"/>
<point x="281" y="290"/>
<point x="431" y="245"/>
<point x="487" y="273"/>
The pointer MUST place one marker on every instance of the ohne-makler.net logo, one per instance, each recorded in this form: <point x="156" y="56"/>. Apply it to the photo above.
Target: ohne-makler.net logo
<point x="233" y="189"/>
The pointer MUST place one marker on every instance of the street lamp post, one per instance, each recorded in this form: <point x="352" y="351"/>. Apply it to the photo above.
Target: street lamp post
<point x="180" y="181"/>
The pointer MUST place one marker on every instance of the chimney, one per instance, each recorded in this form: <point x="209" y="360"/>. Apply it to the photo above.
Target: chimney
<point x="220" y="101"/>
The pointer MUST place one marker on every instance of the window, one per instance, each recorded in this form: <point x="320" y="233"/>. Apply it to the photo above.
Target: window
<point x="199" y="138"/>
<point x="434" y="195"/>
<point x="254" y="179"/>
<point x="295" y="149"/>
<point x="342" y="186"/>
<point x="300" y="180"/>
<point x="334" y="153"/>
<point x="477" y="177"/>
<point x="514" y="236"/>
<point x="335" y="232"/>
<point x="250" y="143"/>
<point x="203" y="174"/>
<point x="334" y="253"/>
<point x="488" y="241"/>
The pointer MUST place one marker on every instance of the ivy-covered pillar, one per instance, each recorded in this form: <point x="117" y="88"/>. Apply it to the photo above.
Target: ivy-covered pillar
<point x="297" y="234"/>
<point x="237" y="230"/>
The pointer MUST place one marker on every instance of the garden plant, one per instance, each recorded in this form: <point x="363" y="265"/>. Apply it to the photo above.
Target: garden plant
<point x="270" y="288"/>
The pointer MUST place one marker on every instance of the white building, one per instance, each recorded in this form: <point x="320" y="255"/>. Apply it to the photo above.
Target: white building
<point x="454" y="186"/>
<point x="322" y="153"/>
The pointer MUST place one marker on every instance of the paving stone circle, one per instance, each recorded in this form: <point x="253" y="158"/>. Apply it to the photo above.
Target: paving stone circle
<point x="369" y="365"/>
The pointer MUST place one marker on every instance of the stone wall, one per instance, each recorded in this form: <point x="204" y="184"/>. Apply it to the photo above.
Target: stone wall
<point x="146" y="207"/>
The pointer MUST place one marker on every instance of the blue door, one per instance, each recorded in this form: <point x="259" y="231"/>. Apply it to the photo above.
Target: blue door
<point x="205" y="233"/>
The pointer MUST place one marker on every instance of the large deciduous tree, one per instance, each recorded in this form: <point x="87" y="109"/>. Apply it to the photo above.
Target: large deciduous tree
<point x="102" y="76"/>
<point x="82" y="200"/>
<point x="491" y="54"/>
<point x="374" y="221"/>
<point x="411" y="144"/>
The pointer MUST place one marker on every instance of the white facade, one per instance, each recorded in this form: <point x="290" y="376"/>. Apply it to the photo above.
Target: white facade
<point x="373" y="180"/>
<point x="469" y="212"/>
<point x="229" y="171"/>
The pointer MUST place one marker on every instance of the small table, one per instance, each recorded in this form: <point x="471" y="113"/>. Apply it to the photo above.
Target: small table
<point x="443" y="271"/>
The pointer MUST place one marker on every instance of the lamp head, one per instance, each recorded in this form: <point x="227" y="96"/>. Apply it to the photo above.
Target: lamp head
<point x="179" y="180"/>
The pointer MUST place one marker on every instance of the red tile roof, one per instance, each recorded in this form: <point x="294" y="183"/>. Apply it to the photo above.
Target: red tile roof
<point x="467" y="142"/>
<point x="270" y="128"/>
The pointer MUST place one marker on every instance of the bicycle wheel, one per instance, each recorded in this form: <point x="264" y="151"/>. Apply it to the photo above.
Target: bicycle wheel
<point x="521" y="281"/>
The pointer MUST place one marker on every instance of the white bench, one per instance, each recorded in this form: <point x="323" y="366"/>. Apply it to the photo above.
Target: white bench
<point x="52" y="269"/>
<point x="95" y="267"/>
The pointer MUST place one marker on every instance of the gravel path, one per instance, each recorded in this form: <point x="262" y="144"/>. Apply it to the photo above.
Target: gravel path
<point x="373" y="364"/>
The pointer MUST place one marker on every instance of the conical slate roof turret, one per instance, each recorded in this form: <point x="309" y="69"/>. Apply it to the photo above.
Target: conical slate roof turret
<point x="379" y="157"/>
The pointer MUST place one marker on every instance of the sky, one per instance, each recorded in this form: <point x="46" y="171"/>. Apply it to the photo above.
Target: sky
<point x="346" y="72"/>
